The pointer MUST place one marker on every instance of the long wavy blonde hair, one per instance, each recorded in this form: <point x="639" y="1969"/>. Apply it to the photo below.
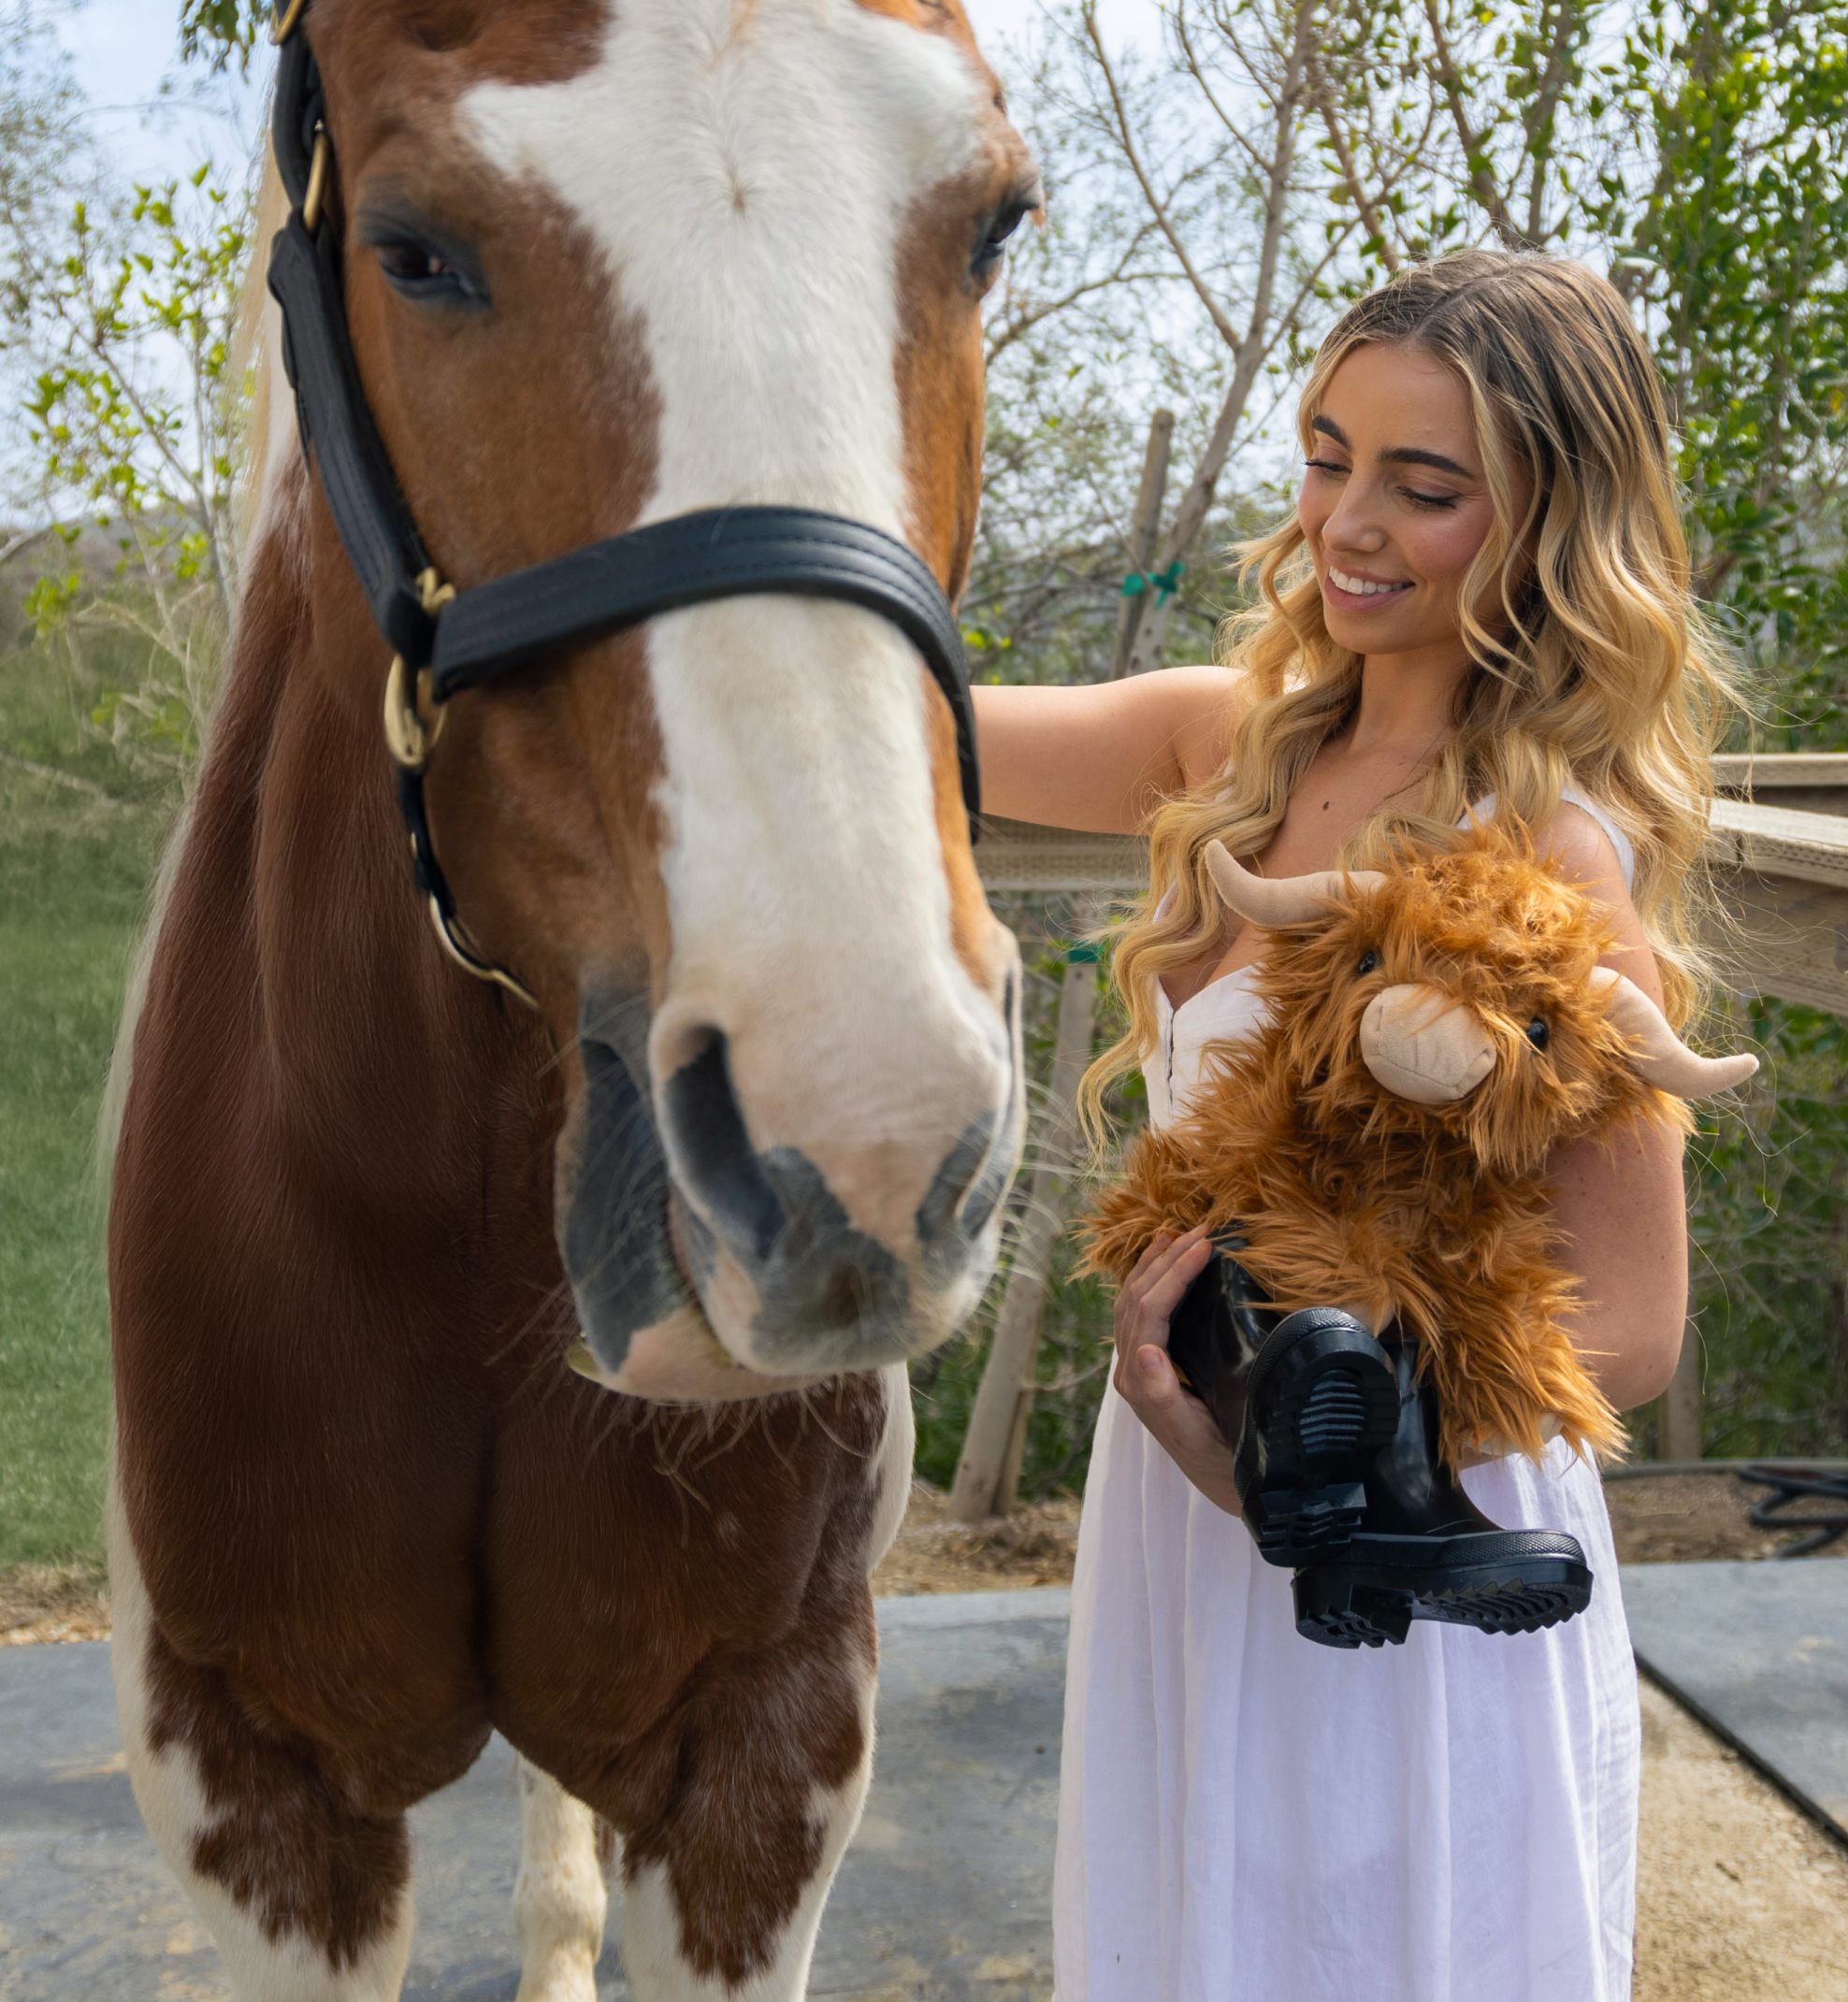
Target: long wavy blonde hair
<point x="1600" y="669"/>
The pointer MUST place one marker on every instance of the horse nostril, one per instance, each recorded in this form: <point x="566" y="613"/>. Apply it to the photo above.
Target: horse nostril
<point x="712" y="1154"/>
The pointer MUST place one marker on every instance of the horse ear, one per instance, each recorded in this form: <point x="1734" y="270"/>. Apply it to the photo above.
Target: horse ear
<point x="1665" y="1060"/>
<point x="1277" y="901"/>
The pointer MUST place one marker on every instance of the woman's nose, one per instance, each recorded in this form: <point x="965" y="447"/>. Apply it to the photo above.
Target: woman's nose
<point x="1353" y="524"/>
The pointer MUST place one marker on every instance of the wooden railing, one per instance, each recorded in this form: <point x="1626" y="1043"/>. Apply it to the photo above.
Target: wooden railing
<point x="1781" y="872"/>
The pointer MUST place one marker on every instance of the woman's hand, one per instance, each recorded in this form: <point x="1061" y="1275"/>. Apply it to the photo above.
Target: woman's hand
<point x="1179" y="1422"/>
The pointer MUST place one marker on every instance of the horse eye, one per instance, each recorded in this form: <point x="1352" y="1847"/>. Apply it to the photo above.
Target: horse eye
<point x="1537" y="1033"/>
<point x="993" y="246"/>
<point x="1369" y="962"/>
<point x="418" y="270"/>
<point x="410" y="262"/>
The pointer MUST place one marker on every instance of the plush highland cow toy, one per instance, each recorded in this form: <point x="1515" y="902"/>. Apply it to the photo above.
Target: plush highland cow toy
<point x="1435" y="1032"/>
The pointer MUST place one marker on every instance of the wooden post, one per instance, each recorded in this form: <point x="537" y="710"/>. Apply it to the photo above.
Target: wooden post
<point x="1144" y="527"/>
<point x="1678" y="1414"/>
<point x="988" y="1472"/>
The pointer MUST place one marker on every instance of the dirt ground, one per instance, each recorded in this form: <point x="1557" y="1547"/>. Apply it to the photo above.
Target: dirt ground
<point x="1681" y="1519"/>
<point x="53" y="1602"/>
<point x="1740" y="1898"/>
<point x="1675" y="1518"/>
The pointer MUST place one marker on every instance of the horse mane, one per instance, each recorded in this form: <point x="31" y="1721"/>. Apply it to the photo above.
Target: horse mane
<point x="270" y="440"/>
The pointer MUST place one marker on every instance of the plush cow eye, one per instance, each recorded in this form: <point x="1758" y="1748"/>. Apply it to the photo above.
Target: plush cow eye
<point x="1369" y="961"/>
<point x="1536" y="1033"/>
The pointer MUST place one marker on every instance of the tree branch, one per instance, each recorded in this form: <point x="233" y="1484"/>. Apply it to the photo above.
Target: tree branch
<point x="1482" y="181"/>
<point x="1155" y="207"/>
<point x="1371" y="220"/>
<point x="1012" y="329"/>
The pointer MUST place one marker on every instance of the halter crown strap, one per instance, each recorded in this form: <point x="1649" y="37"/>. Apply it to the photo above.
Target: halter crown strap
<point x="446" y="641"/>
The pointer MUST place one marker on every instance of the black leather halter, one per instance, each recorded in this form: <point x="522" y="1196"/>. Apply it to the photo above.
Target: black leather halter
<point x="444" y="640"/>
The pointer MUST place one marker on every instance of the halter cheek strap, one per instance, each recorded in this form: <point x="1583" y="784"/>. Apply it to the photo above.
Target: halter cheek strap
<point x="444" y="641"/>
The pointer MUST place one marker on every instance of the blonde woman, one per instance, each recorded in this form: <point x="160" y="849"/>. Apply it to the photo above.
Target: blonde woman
<point x="1480" y="602"/>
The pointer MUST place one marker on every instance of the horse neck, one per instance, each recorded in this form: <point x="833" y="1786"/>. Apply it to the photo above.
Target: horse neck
<point x="383" y="1063"/>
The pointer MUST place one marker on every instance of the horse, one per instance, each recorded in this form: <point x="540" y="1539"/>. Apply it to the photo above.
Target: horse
<point x="527" y="1353"/>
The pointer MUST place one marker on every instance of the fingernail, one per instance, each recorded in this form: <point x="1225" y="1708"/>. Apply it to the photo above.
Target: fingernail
<point x="1148" y="1361"/>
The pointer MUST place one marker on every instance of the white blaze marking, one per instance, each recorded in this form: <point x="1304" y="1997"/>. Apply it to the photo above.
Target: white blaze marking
<point x="746" y="173"/>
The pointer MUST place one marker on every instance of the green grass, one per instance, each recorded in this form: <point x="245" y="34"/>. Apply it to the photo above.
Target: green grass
<point x="74" y="870"/>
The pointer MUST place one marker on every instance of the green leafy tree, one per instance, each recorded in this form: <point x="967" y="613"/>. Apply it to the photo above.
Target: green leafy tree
<point x="1738" y="256"/>
<point x="136" y="411"/>
<point x="221" y="31"/>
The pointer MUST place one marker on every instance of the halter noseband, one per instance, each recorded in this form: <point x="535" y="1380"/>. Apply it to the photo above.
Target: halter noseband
<point x="444" y="641"/>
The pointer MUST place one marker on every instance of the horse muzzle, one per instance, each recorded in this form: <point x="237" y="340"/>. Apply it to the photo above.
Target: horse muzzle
<point x="705" y="1267"/>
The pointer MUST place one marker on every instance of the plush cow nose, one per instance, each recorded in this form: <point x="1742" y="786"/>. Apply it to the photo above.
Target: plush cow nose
<point x="1425" y="1046"/>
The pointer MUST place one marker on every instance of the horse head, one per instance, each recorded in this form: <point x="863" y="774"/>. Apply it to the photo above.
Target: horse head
<point x="606" y="266"/>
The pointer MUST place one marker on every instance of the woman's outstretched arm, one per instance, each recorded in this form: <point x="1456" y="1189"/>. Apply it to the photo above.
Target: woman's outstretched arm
<point x="1101" y="757"/>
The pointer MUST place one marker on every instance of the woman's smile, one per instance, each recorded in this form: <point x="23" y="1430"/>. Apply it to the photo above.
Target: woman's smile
<point x="1363" y="590"/>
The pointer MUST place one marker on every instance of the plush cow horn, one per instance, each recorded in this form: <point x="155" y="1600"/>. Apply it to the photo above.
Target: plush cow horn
<point x="1273" y="901"/>
<point x="1665" y="1060"/>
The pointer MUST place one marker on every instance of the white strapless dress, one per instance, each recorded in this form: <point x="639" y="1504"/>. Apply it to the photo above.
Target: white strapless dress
<point x="1246" y="1816"/>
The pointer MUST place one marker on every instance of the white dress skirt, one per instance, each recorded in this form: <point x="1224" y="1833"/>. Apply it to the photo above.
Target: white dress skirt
<point x="1246" y="1816"/>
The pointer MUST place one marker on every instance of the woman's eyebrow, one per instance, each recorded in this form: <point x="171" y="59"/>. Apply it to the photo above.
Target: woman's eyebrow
<point x="1397" y="455"/>
<point x="1416" y="455"/>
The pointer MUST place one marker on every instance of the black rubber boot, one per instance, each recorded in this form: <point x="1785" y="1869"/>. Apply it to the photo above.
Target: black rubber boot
<point x="1306" y="1399"/>
<point x="1319" y="1404"/>
<point x="1425" y="1551"/>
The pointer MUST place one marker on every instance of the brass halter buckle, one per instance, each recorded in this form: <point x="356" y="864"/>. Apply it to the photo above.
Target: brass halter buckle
<point x="317" y="180"/>
<point x="414" y="717"/>
<point x="413" y="721"/>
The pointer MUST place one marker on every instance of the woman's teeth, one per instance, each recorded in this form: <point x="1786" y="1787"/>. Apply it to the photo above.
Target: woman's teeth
<point x="1359" y="586"/>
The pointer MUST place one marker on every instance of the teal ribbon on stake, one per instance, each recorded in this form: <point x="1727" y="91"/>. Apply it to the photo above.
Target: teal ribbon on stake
<point x="1083" y="954"/>
<point x="1165" y="584"/>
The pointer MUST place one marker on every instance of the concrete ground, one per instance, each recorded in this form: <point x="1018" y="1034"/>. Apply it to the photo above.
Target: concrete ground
<point x="945" y="1895"/>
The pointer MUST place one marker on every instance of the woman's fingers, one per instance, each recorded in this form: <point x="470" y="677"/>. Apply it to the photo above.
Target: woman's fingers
<point x="1145" y="1376"/>
<point x="1181" y="1426"/>
<point x="1154" y="1290"/>
<point x="1166" y="1287"/>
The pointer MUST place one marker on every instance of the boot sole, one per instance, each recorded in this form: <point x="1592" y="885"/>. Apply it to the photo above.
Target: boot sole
<point x="1516" y="1582"/>
<point x="1333" y="1403"/>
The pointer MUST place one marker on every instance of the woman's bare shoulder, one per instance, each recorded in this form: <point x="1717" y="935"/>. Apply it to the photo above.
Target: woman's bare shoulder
<point x="1210" y="703"/>
<point x="1587" y="855"/>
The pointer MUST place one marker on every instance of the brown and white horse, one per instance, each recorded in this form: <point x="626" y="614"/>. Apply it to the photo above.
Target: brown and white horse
<point x="605" y="262"/>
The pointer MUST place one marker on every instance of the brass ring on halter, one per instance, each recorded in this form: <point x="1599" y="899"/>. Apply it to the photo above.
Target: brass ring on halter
<point x="317" y="180"/>
<point x="280" y="30"/>
<point x="432" y="593"/>
<point x="414" y="718"/>
<point x="451" y="937"/>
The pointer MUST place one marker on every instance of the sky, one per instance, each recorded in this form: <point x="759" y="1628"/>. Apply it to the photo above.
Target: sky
<point x="157" y="122"/>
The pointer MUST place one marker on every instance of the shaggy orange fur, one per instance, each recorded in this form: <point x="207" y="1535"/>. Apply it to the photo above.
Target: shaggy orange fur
<point x="1348" y="1195"/>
